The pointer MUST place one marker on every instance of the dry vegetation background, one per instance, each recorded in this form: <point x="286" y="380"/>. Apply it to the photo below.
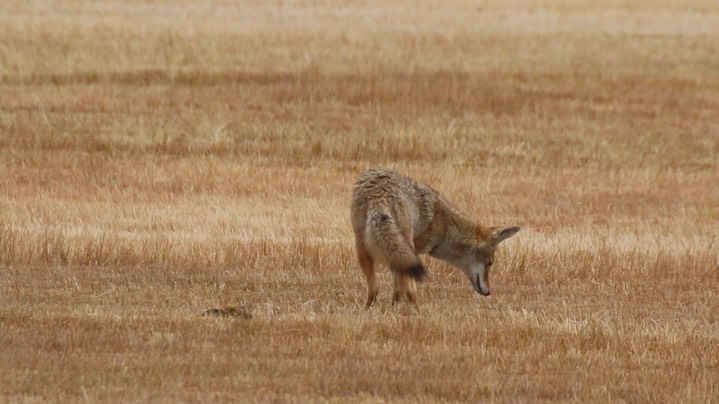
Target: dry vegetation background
<point x="160" y="158"/>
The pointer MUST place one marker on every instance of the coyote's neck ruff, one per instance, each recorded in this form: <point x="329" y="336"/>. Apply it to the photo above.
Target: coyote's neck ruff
<point x="395" y="218"/>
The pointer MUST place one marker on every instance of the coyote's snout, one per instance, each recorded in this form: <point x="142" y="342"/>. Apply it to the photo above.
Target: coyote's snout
<point x="395" y="218"/>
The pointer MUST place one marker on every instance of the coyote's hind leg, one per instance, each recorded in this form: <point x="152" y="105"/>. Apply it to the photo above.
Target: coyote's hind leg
<point x="367" y="264"/>
<point x="404" y="285"/>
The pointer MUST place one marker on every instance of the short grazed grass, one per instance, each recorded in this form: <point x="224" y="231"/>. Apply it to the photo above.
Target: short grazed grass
<point x="163" y="159"/>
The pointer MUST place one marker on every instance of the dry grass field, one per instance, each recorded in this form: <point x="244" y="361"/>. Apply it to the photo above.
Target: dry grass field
<point x="162" y="158"/>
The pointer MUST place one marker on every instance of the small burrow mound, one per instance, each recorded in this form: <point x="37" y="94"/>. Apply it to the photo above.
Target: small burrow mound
<point x="230" y="310"/>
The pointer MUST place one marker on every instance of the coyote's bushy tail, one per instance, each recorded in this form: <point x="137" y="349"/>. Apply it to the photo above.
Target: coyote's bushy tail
<point x="384" y="236"/>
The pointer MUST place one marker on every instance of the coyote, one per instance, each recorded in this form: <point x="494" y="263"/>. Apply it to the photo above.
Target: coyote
<point x="395" y="218"/>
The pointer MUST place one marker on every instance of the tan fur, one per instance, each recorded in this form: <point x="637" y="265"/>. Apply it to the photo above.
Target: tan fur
<point x="395" y="218"/>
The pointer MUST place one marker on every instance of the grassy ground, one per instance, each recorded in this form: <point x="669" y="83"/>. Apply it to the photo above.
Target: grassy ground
<point x="160" y="159"/>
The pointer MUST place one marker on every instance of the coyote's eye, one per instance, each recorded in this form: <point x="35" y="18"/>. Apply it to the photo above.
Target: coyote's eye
<point x="489" y="263"/>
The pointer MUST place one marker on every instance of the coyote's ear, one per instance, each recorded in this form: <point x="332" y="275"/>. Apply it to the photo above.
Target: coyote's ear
<point x="502" y="233"/>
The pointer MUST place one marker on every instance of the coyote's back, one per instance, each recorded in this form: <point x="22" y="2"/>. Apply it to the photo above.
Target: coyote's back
<point x="383" y="208"/>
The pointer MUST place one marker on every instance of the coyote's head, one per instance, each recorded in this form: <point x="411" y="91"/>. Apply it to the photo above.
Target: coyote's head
<point x="478" y="258"/>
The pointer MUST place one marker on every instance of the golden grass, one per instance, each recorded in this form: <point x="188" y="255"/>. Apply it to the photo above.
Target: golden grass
<point x="163" y="159"/>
